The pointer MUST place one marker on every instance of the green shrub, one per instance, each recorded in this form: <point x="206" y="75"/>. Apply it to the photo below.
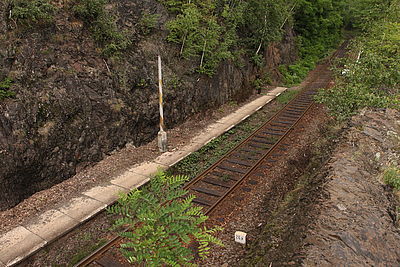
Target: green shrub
<point x="103" y="26"/>
<point x="4" y="89"/>
<point x="206" y="31"/>
<point x="148" y="22"/>
<point x="163" y="222"/>
<point x="28" y="12"/>
<point x="391" y="177"/>
<point x="90" y="10"/>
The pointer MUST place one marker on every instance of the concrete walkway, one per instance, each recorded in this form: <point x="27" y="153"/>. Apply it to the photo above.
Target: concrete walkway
<point x="24" y="240"/>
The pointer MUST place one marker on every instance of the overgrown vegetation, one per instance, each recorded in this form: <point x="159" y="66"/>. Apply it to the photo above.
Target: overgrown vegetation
<point x="216" y="30"/>
<point x="5" y="88"/>
<point x="370" y="76"/>
<point x="318" y="25"/>
<point x="163" y="222"/>
<point x="31" y="12"/>
<point x="103" y="26"/>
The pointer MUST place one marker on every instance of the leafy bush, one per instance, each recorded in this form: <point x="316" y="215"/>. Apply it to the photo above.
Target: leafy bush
<point x="28" y="12"/>
<point x="163" y="222"/>
<point x="103" y="26"/>
<point x="4" y="89"/>
<point x="294" y="74"/>
<point x="206" y="30"/>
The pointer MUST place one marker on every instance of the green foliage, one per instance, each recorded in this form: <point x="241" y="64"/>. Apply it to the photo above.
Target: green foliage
<point x="163" y="222"/>
<point x="373" y="80"/>
<point x="318" y="25"/>
<point x="363" y="13"/>
<point x="391" y="177"/>
<point x="206" y="30"/>
<point x="294" y="74"/>
<point x="103" y="26"/>
<point x="263" y="22"/>
<point x="4" y="88"/>
<point x="28" y="12"/>
<point x="148" y="22"/>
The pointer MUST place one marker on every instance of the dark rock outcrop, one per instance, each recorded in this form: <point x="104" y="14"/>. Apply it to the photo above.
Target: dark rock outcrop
<point x="73" y="106"/>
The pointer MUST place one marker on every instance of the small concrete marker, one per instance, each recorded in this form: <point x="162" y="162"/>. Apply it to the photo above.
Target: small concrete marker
<point x="240" y="237"/>
<point x="17" y="244"/>
<point x="162" y="141"/>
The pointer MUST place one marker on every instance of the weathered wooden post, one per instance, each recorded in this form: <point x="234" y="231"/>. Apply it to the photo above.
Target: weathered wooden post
<point x="162" y="135"/>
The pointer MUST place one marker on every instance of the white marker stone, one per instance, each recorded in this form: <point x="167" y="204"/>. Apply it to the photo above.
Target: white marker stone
<point x="240" y="237"/>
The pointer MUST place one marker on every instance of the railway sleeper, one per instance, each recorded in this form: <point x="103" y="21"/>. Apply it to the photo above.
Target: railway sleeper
<point x="240" y="162"/>
<point x="276" y="129"/>
<point x="271" y="133"/>
<point x="262" y="141"/>
<point x="287" y="115"/>
<point x="202" y="201"/>
<point x="208" y="191"/>
<point x="219" y="175"/>
<point x="214" y="181"/>
<point x="231" y="169"/>
<point x="245" y="156"/>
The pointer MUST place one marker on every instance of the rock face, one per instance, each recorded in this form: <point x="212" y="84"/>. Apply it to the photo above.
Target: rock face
<point x="356" y="224"/>
<point x="73" y="106"/>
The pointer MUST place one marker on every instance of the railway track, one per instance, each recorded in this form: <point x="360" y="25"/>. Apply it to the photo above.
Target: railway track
<point x="257" y="152"/>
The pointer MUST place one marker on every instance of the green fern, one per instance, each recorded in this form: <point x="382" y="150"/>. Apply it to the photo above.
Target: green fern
<point x="163" y="222"/>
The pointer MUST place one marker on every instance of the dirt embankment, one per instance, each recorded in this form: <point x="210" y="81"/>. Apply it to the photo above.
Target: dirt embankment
<point x="341" y="213"/>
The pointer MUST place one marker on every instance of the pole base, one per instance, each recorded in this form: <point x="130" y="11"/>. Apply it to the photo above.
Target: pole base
<point x="162" y="141"/>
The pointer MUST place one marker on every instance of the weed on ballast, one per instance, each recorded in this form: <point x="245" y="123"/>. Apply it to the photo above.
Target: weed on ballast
<point x="286" y="96"/>
<point x="4" y="89"/>
<point x="391" y="176"/>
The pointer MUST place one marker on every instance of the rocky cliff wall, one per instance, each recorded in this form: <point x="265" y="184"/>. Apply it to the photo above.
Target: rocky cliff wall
<point x="72" y="106"/>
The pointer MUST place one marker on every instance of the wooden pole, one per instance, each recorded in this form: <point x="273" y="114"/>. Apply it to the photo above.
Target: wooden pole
<point x="162" y="135"/>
